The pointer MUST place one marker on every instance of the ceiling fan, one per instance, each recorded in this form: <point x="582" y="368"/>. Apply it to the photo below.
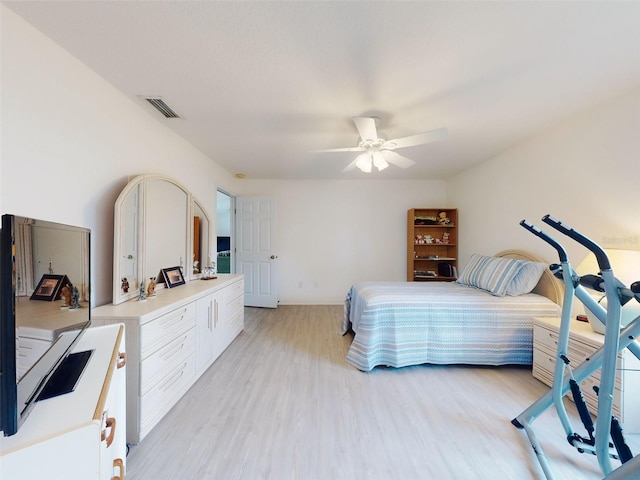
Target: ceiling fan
<point x="378" y="152"/>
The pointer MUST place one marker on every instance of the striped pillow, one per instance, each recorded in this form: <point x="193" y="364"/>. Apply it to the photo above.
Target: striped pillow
<point x="527" y="278"/>
<point x="490" y="273"/>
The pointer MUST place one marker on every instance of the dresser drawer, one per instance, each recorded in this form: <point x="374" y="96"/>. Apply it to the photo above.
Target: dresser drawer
<point x="545" y="357"/>
<point x="156" y="333"/>
<point x="236" y="324"/>
<point x="162" y="396"/>
<point x="233" y="291"/>
<point x="235" y="306"/>
<point x="29" y="350"/>
<point x="543" y="370"/>
<point x="153" y="368"/>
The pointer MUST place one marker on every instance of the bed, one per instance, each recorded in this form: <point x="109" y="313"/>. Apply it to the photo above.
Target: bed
<point x="480" y="322"/>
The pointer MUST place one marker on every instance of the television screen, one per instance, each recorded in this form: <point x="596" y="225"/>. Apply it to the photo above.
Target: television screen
<point x="44" y="308"/>
<point x="224" y="244"/>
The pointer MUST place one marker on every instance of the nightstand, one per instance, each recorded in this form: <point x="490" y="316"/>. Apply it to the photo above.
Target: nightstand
<point x="583" y="341"/>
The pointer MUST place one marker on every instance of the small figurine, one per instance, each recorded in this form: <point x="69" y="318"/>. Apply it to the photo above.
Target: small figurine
<point x="125" y="285"/>
<point x="428" y="239"/>
<point x="445" y="237"/>
<point x="66" y="294"/>
<point x="442" y="219"/>
<point x="151" y="289"/>
<point x="76" y="298"/>
<point x="141" y="296"/>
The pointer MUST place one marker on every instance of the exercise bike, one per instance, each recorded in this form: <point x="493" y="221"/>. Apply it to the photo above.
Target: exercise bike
<point x="605" y="439"/>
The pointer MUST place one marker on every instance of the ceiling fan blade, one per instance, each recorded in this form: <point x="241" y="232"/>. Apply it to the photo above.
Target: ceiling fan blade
<point x="420" y="139"/>
<point x="366" y="128"/>
<point x="398" y="160"/>
<point x="351" y="166"/>
<point x="347" y="149"/>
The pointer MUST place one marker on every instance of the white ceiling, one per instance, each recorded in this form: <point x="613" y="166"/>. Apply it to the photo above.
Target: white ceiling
<point x="260" y="85"/>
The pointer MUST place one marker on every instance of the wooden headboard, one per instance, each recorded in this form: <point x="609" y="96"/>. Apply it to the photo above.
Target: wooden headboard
<point x="548" y="285"/>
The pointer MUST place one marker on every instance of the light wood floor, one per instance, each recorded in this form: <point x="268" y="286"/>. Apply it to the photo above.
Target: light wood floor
<point x="282" y="403"/>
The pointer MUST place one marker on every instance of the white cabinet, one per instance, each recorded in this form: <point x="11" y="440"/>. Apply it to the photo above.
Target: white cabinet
<point x="79" y="435"/>
<point x="583" y="341"/>
<point x="210" y="340"/>
<point x="172" y="339"/>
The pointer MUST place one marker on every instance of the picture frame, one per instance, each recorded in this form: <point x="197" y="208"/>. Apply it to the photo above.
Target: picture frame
<point x="49" y="286"/>
<point x="173" y="276"/>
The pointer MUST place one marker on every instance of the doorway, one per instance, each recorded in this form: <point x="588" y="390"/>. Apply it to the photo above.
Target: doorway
<point x="225" y="206"/>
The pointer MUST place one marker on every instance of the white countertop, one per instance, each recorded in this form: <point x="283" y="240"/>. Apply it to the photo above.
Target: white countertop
<point x="46" y="320"/>
<point x="165" y="300"/>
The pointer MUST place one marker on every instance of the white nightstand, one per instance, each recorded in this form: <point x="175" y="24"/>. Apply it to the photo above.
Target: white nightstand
<point x="583" y="341"/>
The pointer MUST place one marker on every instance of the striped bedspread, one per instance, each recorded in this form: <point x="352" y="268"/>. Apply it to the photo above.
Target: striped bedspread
<point x="409" y="323"/>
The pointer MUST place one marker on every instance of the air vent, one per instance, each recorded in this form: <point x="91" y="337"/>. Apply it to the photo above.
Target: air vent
<point x="162" y="107"/>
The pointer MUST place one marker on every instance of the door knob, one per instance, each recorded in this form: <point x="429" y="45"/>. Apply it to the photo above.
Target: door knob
<point x="273" y="257"/>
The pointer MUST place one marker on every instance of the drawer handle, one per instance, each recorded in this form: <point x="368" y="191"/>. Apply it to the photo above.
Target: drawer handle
<point x="174" y="350"/>
<point x="173" y="319"/>
<point x="173" y="379"/>
<point x="122" y="360"/>
<point x="119" y="464"/>
<point x="110" y="423"/>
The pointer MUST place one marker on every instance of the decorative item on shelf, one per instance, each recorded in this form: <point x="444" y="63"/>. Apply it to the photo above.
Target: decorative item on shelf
<point x="196" y="266"/>
<point x="173" y="276"/>
<point x="424" y="273"/>
<point x="125" y="285"/>
<point x="425" y="220"/>
<point x="443" y="219"/>
<point x="151" y="288"/>
<point x="49" y="287"/>
<point x="141" y="296"/>
<point x="75" y="299"/>
<point x="66" y="294"/>
<point x="209" y="273"/>
<point x="445" y="237"/>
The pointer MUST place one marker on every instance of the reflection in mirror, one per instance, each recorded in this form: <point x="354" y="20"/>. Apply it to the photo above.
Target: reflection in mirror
<point x="201" y="253"/>
<point x="126" y="243"/>
<point x="157" y="224"/>
<point x="166" y="227"/>
<point x="129" y="242"/>
<point x="52" y="279"/>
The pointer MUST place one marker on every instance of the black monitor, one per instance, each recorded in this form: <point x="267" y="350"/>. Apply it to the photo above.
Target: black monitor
<point x="44" y="286"/>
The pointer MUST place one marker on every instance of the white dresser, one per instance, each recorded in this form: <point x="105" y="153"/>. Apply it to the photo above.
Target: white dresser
<point x="172" y="339"/>
<point x="583" y="341"/>
<point x="79" y="435"/>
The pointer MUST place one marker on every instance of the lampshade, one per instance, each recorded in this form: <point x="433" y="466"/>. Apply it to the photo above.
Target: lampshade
<point x="625" y="265"/>
<point x="379" y="161"/>
<point x="363" y="162"/>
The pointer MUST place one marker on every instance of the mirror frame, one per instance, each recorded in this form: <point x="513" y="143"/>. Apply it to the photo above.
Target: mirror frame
<point x="140" y="185"/>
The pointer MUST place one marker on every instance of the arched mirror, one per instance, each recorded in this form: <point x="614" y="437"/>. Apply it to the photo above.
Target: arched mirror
<point x="157" y="224"/>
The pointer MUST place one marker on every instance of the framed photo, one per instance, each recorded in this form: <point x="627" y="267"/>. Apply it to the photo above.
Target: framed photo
<point x="173" y="276"/>
<point x="48" y="288"/>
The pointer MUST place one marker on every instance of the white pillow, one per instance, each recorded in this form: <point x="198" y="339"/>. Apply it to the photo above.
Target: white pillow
<point x="526" y="279"/>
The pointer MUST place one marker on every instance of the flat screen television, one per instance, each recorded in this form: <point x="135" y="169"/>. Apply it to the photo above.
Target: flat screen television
<point x="224" y="244"/>
<point x="45" y="301"/>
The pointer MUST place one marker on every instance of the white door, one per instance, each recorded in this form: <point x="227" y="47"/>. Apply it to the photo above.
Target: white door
<point x="256" y="255"/>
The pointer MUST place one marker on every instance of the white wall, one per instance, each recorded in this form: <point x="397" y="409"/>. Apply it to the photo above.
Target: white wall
<point x="334" y="233"/>
<point x="585" y="172"/>
<point x="69" y="142"/>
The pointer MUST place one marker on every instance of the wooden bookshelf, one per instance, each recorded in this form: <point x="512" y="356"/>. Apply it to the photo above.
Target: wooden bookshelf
<point x="432" y="244"/>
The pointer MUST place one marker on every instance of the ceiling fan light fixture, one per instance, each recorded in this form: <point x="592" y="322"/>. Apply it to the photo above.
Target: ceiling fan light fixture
<point x="363" y="162"/>
<point x="378" y="160"/>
